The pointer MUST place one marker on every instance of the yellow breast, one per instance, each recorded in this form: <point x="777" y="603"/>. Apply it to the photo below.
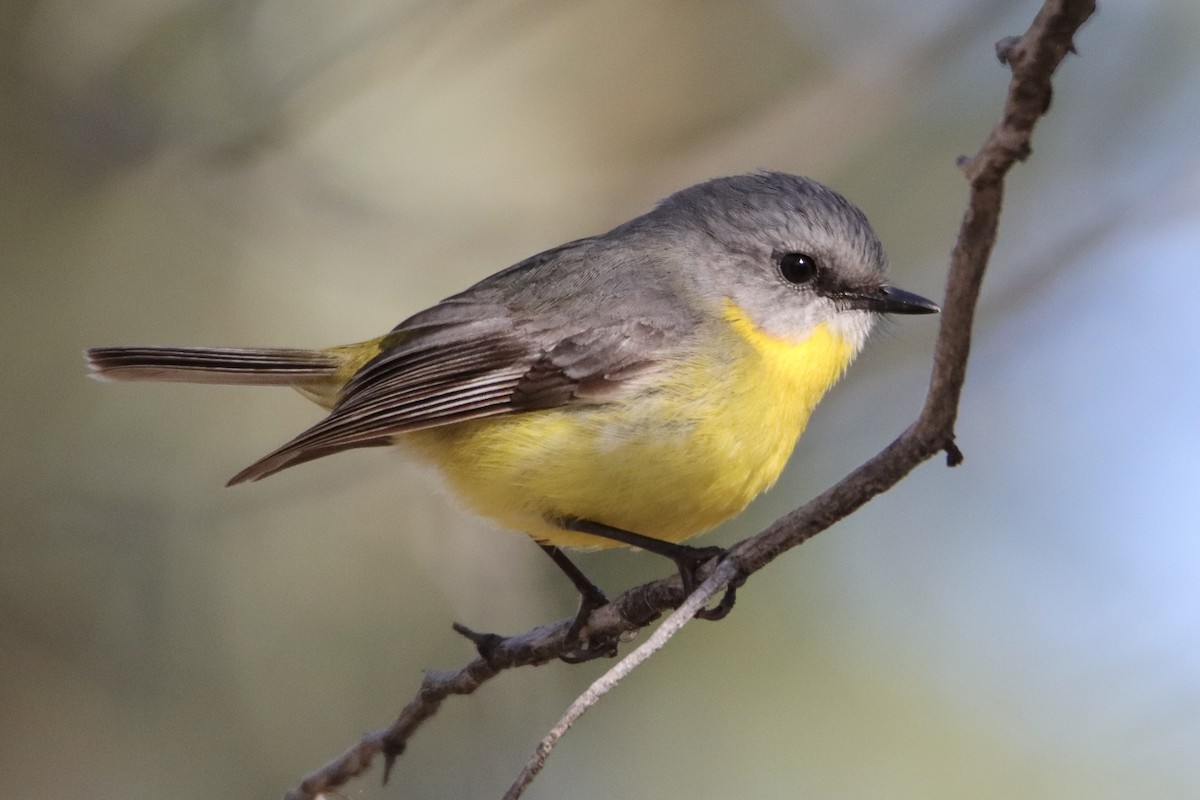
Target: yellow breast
<point x="671" y="462"/>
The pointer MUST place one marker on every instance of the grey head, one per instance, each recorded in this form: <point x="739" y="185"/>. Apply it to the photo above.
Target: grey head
<point x="789" y="252"/>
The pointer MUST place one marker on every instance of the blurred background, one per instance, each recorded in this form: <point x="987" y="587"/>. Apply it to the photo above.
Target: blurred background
<point x="293" y="172"/>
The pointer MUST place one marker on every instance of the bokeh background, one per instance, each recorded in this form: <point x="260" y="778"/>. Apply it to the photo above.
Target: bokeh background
<point x="293" y="172"/>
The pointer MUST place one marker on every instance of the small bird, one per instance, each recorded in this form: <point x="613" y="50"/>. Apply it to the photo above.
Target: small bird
<point x="633" y="388"/>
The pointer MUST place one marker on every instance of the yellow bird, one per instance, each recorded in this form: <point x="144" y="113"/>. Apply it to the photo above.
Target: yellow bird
<point x="637" y="387"/>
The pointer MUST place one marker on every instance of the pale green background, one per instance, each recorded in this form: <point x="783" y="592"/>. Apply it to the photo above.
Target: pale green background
<point x="304" y="173"/>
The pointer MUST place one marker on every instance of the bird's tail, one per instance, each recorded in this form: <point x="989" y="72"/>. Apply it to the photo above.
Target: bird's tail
<point x="319" y="375"/>
<point x="241" y="366"/>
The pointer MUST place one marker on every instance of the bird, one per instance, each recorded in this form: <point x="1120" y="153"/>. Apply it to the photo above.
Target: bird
<point x="636" y="387"/>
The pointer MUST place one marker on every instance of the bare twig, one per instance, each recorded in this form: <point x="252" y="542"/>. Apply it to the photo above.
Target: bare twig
<point x="723" y="574"/>
<point x="1033" y="58"/>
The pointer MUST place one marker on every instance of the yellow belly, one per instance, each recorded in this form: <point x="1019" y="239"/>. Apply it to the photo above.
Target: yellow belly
<point x="674" y="461"/>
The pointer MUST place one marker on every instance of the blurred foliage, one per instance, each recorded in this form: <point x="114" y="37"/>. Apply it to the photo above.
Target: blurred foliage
<point x="305" y="173"/>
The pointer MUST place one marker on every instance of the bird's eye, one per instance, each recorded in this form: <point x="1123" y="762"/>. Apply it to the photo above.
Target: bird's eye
<point x="797" y="267"/>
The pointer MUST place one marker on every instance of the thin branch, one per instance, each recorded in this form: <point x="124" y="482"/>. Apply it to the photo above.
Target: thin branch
<point x="723" y="574"/>
<point x="1033" y="58"/>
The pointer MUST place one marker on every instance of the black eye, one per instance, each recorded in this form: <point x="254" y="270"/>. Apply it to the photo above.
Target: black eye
<point x="797" y="267"/>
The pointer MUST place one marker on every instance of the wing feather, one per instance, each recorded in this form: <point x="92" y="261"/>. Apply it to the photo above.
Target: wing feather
<point x="507" y="345"/>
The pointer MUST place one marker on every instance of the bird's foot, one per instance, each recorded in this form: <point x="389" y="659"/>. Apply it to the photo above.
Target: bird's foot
<point x="689" y="560"/>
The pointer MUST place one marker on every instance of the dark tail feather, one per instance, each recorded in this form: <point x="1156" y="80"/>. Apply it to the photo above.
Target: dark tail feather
<point x="248" y="367"/>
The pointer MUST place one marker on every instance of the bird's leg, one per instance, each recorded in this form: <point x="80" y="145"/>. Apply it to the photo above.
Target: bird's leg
<point x="687" y="559"/>
<point x="591" y="597"/>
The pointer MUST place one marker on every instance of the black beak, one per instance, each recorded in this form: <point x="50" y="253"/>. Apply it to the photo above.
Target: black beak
<point x="890" y="300"/>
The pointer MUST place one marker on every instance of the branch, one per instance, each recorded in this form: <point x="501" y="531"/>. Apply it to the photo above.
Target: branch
<point x="723" y="574"/>
<point x="1033" y="58"/>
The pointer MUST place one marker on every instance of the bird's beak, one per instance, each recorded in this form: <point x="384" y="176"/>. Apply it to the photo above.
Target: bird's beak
<point x="890" y="300"/>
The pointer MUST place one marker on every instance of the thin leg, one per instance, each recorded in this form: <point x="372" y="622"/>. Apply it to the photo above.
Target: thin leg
<point x="591" y="593"/>
<point x="687" y="559"/>
<point x="591" y="597"/>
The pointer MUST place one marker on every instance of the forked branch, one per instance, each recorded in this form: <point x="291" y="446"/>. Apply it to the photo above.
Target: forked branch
<point x="1033" y="57"/>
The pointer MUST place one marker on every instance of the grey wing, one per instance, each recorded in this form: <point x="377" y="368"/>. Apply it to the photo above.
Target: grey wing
<point x="459" y="361"/>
